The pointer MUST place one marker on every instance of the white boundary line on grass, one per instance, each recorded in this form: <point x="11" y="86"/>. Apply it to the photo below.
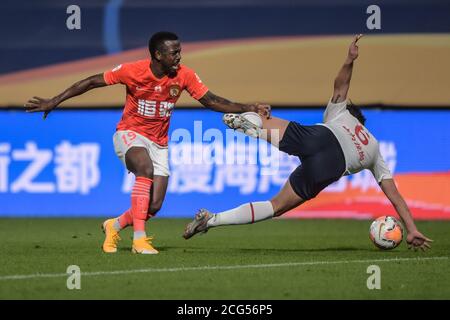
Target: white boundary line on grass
<point x="203" y="268"/>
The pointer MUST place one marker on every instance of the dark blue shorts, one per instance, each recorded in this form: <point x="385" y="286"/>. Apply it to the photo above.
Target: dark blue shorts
<point x="321" y="156"/>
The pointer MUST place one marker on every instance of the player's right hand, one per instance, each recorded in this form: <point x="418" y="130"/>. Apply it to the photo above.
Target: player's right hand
<point x="263" y="109"/>
<point x="417" y="240"/>
<point x="37" y="104"/>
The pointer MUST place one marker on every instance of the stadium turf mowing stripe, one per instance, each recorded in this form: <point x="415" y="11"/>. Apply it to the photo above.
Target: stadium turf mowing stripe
<point x="207" y="268"/>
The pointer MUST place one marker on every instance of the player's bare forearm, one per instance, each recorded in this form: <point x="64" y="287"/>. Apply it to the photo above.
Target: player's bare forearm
<point x="342" y="81"/>
<point x="216" y="103"/>
<point x="414" y="239"/>
<point x="403" y="211"/>
<point x="37" y="104"/>
<point x="390" y="190"/>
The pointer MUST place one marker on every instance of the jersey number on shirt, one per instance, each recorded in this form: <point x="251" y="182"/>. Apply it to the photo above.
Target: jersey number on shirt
<point x="361" y="134"/>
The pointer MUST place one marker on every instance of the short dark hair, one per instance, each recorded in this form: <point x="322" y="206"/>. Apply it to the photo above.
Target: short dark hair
<point x="356" y="112"/>
<point x="157" y="40"/>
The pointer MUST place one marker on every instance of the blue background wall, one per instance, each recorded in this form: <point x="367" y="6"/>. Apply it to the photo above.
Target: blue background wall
<point x="418" y="140"/>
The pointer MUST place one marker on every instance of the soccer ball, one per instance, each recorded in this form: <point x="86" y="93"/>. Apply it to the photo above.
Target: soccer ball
<point x="386" y="232"/>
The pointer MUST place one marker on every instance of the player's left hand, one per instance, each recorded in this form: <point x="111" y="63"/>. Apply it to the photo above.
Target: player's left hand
<point x="353" y="49"/>
<point x="263" y="110"/>
<point x="417" y="240"/>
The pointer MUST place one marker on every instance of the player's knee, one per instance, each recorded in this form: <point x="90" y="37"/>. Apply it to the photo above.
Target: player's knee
<point x="144" y="171"/>
<point x="148" y="171"/>
<point x="138" y="162"/>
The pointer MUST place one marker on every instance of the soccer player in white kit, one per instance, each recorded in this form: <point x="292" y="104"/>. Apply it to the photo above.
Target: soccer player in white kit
<point x="340" y="146"/>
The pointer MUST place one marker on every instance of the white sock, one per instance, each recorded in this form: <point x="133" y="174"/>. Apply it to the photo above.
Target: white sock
<point x="139" y="234"/>
<point x="256" y="119"/>
<point x="244" y="214"/>
<point x="116" y="225"/>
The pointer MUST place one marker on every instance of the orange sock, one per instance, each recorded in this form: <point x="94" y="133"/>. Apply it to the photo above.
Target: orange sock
<point x="126" y="219"/>
<point x="140" y="197"/>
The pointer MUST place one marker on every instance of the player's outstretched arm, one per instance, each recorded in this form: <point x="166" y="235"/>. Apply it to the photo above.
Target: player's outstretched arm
<point x="37" y="104"/>
<point x="342" y="81"/>
<point x="216" y="103"/>
<point x="414" y="239"/>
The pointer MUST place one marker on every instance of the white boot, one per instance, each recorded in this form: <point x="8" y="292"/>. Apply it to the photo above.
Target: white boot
<point x="249" y="123"/>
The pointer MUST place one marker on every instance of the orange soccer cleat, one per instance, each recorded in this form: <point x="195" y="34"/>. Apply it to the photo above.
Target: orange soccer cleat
<point x="111" y="236"/>
<point x="144" y="246"/>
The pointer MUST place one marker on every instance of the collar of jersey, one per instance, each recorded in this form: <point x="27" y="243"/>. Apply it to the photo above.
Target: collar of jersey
<point x="152" y="75"/>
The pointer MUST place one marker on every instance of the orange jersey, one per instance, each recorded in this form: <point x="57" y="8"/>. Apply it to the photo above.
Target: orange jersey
<point x="150" y="101"/>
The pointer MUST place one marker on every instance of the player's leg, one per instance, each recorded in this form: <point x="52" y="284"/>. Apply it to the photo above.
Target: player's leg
<point x="123" y="221"/>
<point x="126" y="219"/>
<point x="159" y="156"/>
<point x="272" y="130"/>
<point x="286" y="200"/>
<point x="127" y="143"/>
<point x="139" y="162"/>
<point x="321" y="167"/>
<point x="158" y="193"/>
<point x="324" y="165"/>
<point x="247" y="213"/>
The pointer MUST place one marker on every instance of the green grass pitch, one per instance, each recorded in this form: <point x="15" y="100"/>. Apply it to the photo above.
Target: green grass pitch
<point x="278" y="259"/>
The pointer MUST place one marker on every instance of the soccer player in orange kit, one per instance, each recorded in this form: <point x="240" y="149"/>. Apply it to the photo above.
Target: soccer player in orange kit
<point x="153" y="87"/>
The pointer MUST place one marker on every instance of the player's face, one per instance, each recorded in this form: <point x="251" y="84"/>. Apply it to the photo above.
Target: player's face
<point x="171" y="56"/>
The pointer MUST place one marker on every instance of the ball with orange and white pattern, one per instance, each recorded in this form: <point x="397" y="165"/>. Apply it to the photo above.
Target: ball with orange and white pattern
<point x="386" y="232"/>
